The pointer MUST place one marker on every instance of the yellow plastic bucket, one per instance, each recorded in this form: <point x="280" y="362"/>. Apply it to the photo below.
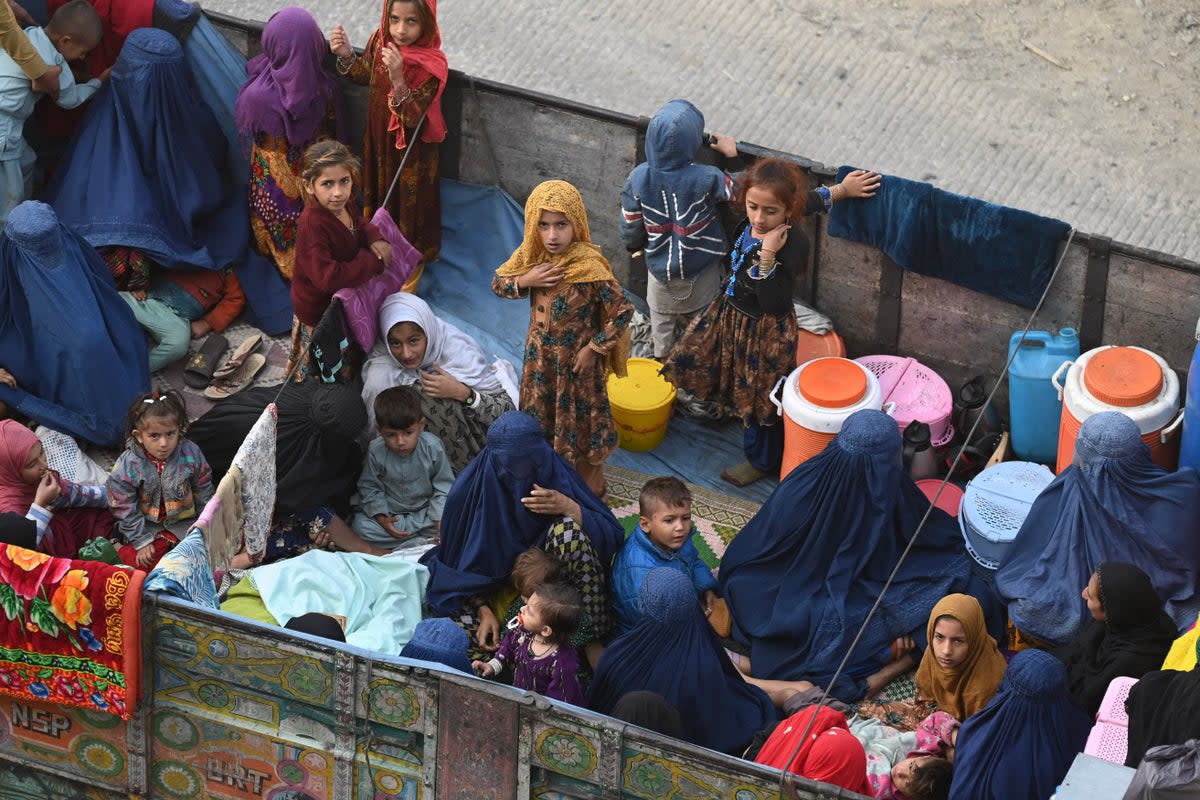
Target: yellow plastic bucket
<point x="641" y="405"/>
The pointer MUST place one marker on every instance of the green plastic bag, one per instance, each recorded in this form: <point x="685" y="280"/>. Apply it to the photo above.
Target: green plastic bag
<point x="99" y="549"/>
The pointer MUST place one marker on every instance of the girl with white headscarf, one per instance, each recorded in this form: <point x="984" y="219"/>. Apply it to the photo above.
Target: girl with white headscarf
<point x="461" y="392"/>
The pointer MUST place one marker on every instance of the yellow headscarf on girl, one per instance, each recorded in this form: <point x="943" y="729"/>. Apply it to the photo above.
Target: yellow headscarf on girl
<point x="582" y="261"/>
<point x="963" y="690"/>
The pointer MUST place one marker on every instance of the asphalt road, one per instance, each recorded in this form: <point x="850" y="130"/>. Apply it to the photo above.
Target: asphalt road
<point x="814" y="79"/>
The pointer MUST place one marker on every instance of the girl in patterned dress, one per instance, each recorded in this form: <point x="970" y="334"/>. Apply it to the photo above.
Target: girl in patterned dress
<point x="736" y="350"/>
<point x="405" y="69"/>
<point x="578" y="324"/>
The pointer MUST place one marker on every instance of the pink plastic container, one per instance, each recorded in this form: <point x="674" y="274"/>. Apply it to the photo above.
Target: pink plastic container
<point x="1109" y="742"/>
<point x="918" y="392"/>
<point x="1112" y="707"/>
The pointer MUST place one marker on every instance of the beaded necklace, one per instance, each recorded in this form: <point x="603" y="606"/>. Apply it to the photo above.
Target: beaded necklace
<point x="746" y="245"/>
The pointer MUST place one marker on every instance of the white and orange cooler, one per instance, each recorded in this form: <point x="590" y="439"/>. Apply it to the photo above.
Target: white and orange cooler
<point x="1132" y="380"/>
<point x="817" y="397"/>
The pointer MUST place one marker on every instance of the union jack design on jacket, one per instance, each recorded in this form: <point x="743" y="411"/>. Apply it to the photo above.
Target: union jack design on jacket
<point x="669" y="203"/>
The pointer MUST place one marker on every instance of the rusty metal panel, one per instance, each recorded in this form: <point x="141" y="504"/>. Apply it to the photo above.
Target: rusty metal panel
<point x="477" y="745"/>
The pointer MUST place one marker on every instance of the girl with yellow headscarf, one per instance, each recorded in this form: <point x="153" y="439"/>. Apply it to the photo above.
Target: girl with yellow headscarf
<point x="578" y="320"/>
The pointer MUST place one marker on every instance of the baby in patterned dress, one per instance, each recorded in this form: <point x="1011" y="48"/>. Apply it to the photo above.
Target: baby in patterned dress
<point x="537" y="645"/>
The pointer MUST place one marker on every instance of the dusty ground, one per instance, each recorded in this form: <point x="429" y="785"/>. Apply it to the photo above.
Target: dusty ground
<point x="941" y="90"/>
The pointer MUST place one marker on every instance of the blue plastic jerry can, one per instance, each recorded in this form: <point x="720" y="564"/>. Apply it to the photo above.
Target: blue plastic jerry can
<point x="1189" y="446"/>
<point x="1033" y="403"/>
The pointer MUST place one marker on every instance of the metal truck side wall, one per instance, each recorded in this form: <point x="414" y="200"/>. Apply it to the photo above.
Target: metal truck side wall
<point x="236" y="710"/>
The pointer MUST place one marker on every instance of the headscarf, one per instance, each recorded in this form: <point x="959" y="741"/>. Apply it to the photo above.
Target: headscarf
<point x="1021" y="745"/>
<point x="582" y="262"/>
<point x="79" y="377"/>
<point x="1112" y="504"/>
<point x="485" y="526"/>
<point x="674" y="652"/>
<point x="287" y="91"/>
<point x="69" y="527"/>
<point x="421" y="62"/>
<point x="448" y="347"/>
<point x="1164" y="708"/>
<point x="801" y="576"/>
<point x="830" y="753"/>
<point x="315" y="623"/>
<point x="149" y="168"/>
<point x="1133" y="638"/>
<point x="316" y="456"/>
<point x="16" y="442"/>
<point x="963" y="690"/>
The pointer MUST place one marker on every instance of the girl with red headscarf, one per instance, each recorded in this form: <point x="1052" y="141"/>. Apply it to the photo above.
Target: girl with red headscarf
<point x="67" y="514"/>
<point x="406" y="70"/>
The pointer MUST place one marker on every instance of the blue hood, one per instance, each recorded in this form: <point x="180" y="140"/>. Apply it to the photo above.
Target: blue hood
<point x="674" y="136"/>
<point x="669" y="204"/>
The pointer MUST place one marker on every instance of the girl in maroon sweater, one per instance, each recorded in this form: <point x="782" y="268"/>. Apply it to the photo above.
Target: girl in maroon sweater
<point x="335" y="248"/>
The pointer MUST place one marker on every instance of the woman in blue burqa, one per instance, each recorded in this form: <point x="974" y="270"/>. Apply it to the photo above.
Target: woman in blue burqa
<point x="1020" y="746"/>
<point x="146" y="179"/>
<point x="802" y="575"/>
<point x="1112" y="504"/>
<point x="517" y="494"/>
<point x="675" y="653"/>
<point x="76" y="352"/>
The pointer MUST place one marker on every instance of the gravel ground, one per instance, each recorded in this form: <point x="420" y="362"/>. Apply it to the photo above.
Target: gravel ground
<point x="1084" y="110"/>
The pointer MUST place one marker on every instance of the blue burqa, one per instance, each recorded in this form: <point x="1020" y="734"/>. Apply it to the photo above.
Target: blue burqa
<point x="1020" y="746"/>
<point x="72" y="343"/>
<point x="148" y="168"/>
<point x="1112" y="504"/>
<point x="803" y="573"/>
<point x="485" y="526"/>
<point x="673" y="652"/>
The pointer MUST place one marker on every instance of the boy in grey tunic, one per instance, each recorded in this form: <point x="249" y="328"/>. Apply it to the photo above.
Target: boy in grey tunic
<point x="404" y="483"/>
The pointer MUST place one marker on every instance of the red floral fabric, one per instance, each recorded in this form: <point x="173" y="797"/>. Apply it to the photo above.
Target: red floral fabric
<point x="70" y="631"/>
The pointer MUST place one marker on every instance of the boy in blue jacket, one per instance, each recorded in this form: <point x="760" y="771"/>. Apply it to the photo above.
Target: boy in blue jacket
<point x="662" y="538"/>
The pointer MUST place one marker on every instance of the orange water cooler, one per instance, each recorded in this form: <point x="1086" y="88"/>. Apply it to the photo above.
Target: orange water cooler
<point x="1132" y="380"/>
<point x="816" y="399"/>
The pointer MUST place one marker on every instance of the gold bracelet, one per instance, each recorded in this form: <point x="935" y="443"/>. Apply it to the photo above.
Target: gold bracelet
<point x="344" y="66"/>
<point x="394" y="102"/>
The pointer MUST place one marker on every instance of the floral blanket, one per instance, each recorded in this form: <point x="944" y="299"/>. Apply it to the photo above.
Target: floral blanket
<point x="70" y="631"/>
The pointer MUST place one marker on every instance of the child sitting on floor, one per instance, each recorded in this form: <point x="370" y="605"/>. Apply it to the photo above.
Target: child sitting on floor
<point x="181" y="305"/>
<point x="662" y="538"/>
<point x="160" y="483"/>
<point x="403" y="486"/>
<point x="538" y="650"/>
<point x="72" y="32"/>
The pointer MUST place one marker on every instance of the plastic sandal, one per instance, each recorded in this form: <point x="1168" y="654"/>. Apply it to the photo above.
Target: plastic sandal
<point x="239" y="356"/>
<point x="199" y="369"/>
<point x="227" y="387"/>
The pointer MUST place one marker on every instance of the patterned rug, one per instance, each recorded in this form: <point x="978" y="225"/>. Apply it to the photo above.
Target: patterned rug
<point x="717" y="517"/>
